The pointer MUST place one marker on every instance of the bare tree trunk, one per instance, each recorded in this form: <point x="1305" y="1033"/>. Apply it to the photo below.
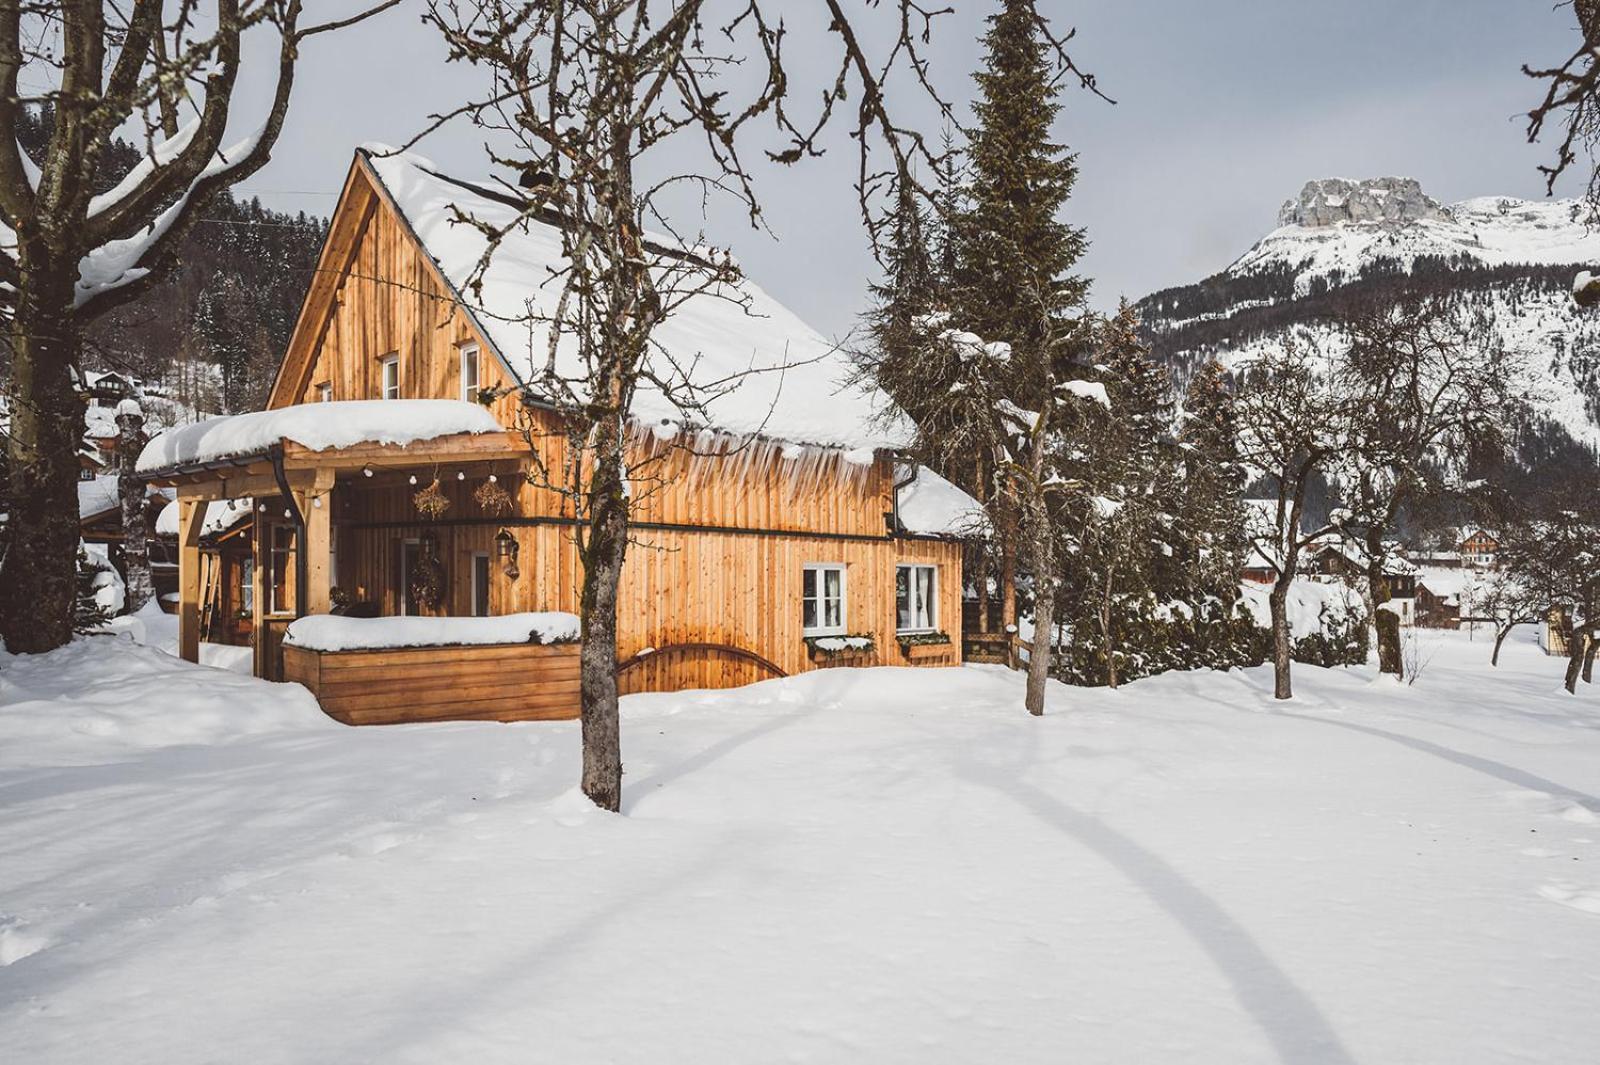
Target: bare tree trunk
<point x="1107" y="643"/>
<point x="39" y="572"/>
<point x="131" y="493"/>
<point x="1386" y="622"/>
<point x="1500" y="635"/>
<point x="1282" y="648"/>
<point x="1590" y="645"/>
<point x="1044" y="619"/>
<point x="1008" y="573"/>
<point x="981" y="555"/>
<point x="603" y="554"/>
<point x="1577" y="638"/>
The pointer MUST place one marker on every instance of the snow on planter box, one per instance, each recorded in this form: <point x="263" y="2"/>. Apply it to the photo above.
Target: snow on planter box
<point x="917" y="646"/>
<point x="841" y="648"/>
<point x="382" y="671"/>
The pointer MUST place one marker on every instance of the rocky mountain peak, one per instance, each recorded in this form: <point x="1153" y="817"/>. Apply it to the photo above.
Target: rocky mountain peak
<point x="1388" y="200"/>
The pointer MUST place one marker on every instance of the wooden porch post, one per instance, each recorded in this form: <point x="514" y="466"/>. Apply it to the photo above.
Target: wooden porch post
<point x="316" y="506"/>
<point x="191" y="516"/>
<point x="260" y="559"/>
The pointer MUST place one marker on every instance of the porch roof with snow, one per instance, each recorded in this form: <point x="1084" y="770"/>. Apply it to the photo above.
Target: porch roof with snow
<point x="792" y="384"/>
<point x="255" y="454"/>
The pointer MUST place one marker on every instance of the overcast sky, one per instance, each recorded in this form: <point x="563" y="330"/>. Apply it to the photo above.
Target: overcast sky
<point x="1224" y="109"/>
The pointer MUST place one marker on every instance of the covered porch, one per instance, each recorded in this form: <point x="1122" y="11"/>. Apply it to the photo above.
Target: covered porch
<point x="341" y="529"/>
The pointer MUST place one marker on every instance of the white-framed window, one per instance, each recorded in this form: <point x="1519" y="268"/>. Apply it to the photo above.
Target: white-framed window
<point x="324" y="393"/>
<point x="916" y="598"/>
<point x="822" y="599"/>
<point x="480" y="584"/>
<point x="389" y="386"/>
<point x="469" y="373"/>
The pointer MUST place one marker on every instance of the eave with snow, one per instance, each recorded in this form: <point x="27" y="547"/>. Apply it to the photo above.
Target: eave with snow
<point x="788" y="515"/>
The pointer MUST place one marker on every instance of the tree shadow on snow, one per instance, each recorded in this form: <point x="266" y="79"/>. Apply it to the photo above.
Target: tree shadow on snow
<point x="1286" y="1015"/>
<point x="1488" y="766"/>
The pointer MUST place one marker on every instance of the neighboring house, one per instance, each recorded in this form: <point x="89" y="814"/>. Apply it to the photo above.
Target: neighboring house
<point x="788" y="533"/>
<point x="1553" y="633"/>
<point x="1478" y="547"/>
<point x="100" y="524"/>
<point x="227" y="561"/>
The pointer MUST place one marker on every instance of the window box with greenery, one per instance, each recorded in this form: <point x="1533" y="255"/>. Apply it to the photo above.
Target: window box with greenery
<point x="841" y="648"/>
<point x="919" y="645"/>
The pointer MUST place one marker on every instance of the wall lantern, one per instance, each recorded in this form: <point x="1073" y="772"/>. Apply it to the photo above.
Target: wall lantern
<point x="506" y="549"/>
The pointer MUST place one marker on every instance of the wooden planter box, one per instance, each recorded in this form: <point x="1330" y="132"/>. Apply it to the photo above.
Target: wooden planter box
<point x="495" y="682"/>
<point x="920" y="652"/>
<point x="848" y="657"/>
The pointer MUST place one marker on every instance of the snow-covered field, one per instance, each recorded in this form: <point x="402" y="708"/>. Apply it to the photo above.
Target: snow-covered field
<point x="851" y="866"/>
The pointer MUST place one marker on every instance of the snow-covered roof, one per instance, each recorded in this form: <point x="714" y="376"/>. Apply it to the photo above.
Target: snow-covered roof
<point x="792" y="383"/>
<point x="100" y="496"/>
<point x="97" y="496"/>
<point x="221" y="515"/>
<point x="317" y="426"/>
<point x="932" y="506"/>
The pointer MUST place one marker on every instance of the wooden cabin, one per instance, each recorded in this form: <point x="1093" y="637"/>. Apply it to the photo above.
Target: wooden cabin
<point x="784" y="535"/>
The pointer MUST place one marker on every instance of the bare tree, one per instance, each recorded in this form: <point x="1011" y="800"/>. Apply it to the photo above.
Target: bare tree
<point x="1555" y="559"/>
<point x="68" y="255"/>
<point x="1426" y="386"/>
<point x="1505" y="603"/>
<point x="1293" y="423"/>
<point x="581" y="92"/>
<point x="1572" y="99"/>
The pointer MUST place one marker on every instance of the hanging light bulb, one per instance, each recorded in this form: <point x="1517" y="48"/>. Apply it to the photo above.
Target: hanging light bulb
<point x="493" y="478"/>
<point x="413" y="478"/>
<point x="317" y="502"/>
<point x="461" y="475"/>
<point x="263" y="508"/>
<point x="288" y="513"/>
<point x="366" y="471"/>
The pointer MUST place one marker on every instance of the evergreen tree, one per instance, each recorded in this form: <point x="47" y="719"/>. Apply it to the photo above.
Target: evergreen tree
<point x="88" y="614"/>
<point x="1121" y="561"/>
<point x="1014" y="256"/>
<point x="1211" y="504"/>
<point x="1013" y="281"/>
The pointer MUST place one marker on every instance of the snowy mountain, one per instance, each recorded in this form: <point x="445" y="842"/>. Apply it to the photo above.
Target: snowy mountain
<point x="1511" y="262"/>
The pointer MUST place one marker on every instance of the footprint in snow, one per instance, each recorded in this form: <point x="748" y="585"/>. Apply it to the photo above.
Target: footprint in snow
<point x="17" y="942"/>
<point x="1586" y="899"/>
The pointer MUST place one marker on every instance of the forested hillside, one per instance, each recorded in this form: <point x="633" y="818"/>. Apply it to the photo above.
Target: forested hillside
<point x="1343" y="246"/>
<point x="213" y="331"/>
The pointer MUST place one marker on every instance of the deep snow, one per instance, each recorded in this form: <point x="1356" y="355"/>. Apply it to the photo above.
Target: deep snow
<point x="886" y="865"/>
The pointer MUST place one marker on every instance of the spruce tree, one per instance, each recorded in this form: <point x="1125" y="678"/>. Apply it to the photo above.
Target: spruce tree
<point x="1014" y="256"/>
<point x="1212" y="501"/>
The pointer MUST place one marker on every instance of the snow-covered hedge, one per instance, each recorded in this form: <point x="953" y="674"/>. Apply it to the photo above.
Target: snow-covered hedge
<point x="329" y="632"/>
<point x="1327" y="624"/>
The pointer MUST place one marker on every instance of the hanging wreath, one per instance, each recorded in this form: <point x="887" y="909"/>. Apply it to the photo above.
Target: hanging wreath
<point x="426" y="578"/>
<point x="493" y="499"/>
<point x="431" y="502"/>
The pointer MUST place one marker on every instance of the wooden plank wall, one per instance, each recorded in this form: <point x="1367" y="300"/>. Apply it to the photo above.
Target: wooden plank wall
<point x="503" y="682"/>
<point x="678" y="586"/>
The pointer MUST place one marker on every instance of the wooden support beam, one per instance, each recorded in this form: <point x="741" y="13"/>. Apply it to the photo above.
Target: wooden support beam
<point x="191" y="517"/>
<point x="316" y="505"/>
<point x="258" y="593"/>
